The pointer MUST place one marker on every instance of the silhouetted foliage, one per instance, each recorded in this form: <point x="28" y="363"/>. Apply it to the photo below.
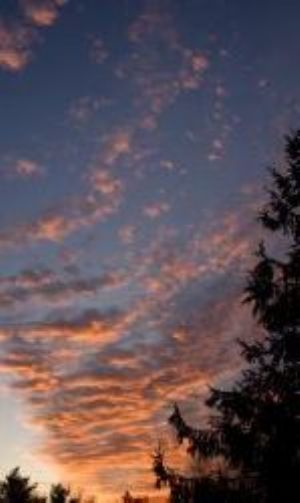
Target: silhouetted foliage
<point x="18" y="489"/>
<point x="59" y="494"/>
<point x="255" y="425"/>
<point x="62" y="494"/>
<point x="128" y="498"/>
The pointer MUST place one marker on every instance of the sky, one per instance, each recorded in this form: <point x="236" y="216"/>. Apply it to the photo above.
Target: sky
<point x="135" y="137"/>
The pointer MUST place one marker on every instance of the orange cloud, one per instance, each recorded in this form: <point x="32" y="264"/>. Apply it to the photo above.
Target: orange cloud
<point x="17" y="38"/>
<point x="116" y="145"/>
<point x="42" y="12"/>
<point x="102" y="404"/>
<point x="101" y="199"/>
<point x="15" y="46"/>
<point x="102" y="181"/>
<point x="52" y="228"/>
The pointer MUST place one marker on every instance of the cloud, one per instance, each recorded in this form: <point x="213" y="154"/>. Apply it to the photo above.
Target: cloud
<point x="27" y="168"/>
<point x="103" y="182"/>
<point x="33" y="374"/>
<point x="99" y="383"/>
<point x="44" y="286"/>
<point x="98" y="51"/>
<point x="90" y="327"/>
<point x="127" y="234"/>
<point x="102" y="198"/>
<point x="85" y="107"/>
<point x="51" y="228"/>
<point x="170" y="266"/>
<point x="17" y="38"/>
<point x="156" y="210"/>
<point x="116" y="145"/>
<point x="22" y="168"/>
<point x="15" y="46"/>
<point x="104" y="405"/>
<point x="160" y="75"/>
<point x="42" y="12"/>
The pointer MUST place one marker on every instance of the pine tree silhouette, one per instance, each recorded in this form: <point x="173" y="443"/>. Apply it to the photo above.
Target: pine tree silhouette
<point x="59" y="494"/>
<point x="256" y="424"/>
<point x="17" y="489"/>
<point x="62" y="494"/>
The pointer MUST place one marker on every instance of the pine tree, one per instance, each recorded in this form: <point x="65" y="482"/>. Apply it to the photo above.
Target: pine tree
<point x="17" y="489"/>
<point x="255" y="426"/>
<point x="61" y="494"/>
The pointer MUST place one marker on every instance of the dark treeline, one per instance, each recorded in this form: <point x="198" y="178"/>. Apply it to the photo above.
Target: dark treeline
<point x="252" y="439"/>
<point x="253" y="435"/>
<point x="15" y="488"/>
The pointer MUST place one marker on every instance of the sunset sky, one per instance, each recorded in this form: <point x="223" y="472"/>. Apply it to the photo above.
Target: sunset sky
<point x="135" y="136"/>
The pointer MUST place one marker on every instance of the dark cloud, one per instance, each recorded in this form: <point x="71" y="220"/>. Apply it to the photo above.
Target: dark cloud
<point x="46" y="286"/>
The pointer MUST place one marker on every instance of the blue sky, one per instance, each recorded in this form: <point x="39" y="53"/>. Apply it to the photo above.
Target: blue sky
<point x="135" y="136"/>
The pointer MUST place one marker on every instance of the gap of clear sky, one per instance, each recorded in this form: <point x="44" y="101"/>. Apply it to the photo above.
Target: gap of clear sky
<point x="135" y="136"/>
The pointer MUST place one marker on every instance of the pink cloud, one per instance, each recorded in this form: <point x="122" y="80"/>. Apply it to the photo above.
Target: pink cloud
<point x="17" y="38"/>
<point x="103" y="182"/>
<point x="42" y="12"/>
<point x="27" y="168"/>
<point x="156" y="210"/>
<point x="158" y="85"/>
<point x="15" y="46"/>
